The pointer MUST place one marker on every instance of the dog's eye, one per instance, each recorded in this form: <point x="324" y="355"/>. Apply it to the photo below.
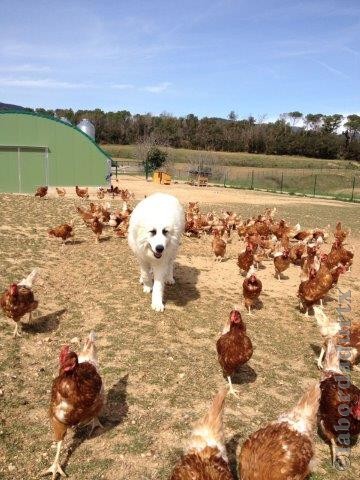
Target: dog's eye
<point x="165" y="232"/>
<point x="153" y="231"/>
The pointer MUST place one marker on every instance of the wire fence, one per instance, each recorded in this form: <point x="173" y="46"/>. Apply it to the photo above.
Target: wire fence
<point x="336" y="184"/>
<point x="331" y="183"/>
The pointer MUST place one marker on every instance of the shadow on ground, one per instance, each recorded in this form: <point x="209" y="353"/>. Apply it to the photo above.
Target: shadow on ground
<point x="184" y="290"/>
<point x="44" y="324"/>
<point x="244" y="374"/>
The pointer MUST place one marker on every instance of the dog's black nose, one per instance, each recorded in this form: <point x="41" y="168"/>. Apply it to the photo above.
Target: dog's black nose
<point x="159" y="248"/>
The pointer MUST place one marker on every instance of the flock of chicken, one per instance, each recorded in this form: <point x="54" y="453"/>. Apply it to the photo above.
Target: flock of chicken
<point x="282" y="450"/>
<point x="267" y="239"/>
<point x="97" y="216"/>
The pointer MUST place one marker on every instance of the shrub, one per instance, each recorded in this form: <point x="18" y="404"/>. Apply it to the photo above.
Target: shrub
<point x="155" y="158"/>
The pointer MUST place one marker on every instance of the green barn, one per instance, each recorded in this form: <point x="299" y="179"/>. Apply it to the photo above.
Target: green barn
<point x="39" y="150"/>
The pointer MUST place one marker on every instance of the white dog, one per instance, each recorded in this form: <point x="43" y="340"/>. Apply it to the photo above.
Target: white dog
<point x="155" y="230"/>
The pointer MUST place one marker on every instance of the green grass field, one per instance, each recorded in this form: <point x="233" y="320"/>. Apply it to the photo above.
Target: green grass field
<point x="294" y="175"/>
<point x="240" y="159"/>
<point x="160" y="370"/>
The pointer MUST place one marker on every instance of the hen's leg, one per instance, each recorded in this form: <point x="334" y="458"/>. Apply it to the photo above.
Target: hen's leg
<point x="95" y="423"/>
<point x="55" y="467"/>
<point x="321" y="356"/>
<point x="16" y="331"/>
<point x="231" y="389"/>
<point x="339" y="459"/>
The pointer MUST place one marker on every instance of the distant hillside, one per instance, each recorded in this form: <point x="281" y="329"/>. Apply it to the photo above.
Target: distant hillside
<point x="8" y="106"/>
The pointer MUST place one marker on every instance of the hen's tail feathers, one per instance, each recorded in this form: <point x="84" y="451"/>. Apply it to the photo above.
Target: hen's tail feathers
<point x="29" y="280"/>
<point x="73" y="221"/>
<point x="303" y="416"/>
<point x="332" y="361"/>
<point x="251" y="271"/>
<point x="209" y="430"/>
<point x="320" y="316"/>
<point x="89" y="351"/>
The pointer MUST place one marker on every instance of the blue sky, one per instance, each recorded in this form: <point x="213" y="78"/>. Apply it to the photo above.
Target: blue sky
<point x="259" y="57"/>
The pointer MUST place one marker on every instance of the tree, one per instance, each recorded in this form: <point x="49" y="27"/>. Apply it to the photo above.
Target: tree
<point x="155" y="158"/>
<point x="313" y="120"/>
<point x="232" y="116"/>
<point x="295" y="116"/>
<point x="331" y="123"/>
<point x="353" y="125"/>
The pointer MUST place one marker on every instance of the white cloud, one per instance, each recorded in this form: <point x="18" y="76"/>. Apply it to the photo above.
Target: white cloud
<point x="24" y="68"/>
<point x="333" y="70"/>
<point x="122" y="86"/>
<point x="159" y="88"/>
<point x="38" y="83"/>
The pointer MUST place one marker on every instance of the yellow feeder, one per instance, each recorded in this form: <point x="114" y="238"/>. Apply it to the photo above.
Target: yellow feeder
<point x="162" y="177"/>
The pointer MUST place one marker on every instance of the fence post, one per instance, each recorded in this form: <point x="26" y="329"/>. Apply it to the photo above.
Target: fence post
<point x="315" y="179"/>
<point x="252" y="180"/>
<point x="146" y="169"/>
<point x="352" y="192"/>
<point x="282" y="181"/>
<point x="116" y="170"/>
<point x="224" y="179"/>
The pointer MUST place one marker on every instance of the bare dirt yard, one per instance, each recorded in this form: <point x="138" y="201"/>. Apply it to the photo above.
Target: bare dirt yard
<point x="160" y="370"/>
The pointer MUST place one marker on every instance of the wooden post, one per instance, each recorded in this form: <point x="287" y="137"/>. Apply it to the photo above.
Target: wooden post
<point x="315" y="179"/>
<point x="146" y="169"/>
<point x="282" y="182"/>
<point x="352" y="192"/>
<point x="252" y="180"/>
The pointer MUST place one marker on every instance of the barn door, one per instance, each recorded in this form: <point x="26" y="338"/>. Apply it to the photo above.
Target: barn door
<point x="33" y="169"/>
<point x="9" y="175"/>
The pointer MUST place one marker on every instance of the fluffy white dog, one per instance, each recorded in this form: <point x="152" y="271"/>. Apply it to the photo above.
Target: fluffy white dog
<point x="155" y="230"/>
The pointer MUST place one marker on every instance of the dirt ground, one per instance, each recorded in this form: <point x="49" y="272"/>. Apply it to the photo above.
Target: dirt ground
<point x="160" y="370"/>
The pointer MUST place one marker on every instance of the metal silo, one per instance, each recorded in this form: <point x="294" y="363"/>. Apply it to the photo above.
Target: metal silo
<point x="87" y="127"/>
<point x="65" y="120"/>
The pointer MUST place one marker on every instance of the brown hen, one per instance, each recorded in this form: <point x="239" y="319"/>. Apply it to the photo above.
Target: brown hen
<point x="252" y="288"/>
<point x="338" y="394"/>
<point x="205" y="457"/>
<point x="82" y="192"/>
<point x="64" y="231"/>
<point x="246" y="258"/>
<point x="61" y="192"/>
<point x="18" y="300"/>
<point x="218" y="246"/>
<point x="41" y="192"/>
<point x="284" y="449"/>
<point x="77" y="395"/>
<point x="234" y="347"/>
<point x="282" y="262"/>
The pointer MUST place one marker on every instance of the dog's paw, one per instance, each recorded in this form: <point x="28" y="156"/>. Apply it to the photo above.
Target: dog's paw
<point x="141" y="281"/>
<point x="170" y="281"/>
<point x="146" y="289"/>
<point x="158" y="307"/>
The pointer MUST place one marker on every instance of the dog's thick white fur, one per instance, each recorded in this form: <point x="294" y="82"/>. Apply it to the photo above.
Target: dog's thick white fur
<point x="155" y="230"/>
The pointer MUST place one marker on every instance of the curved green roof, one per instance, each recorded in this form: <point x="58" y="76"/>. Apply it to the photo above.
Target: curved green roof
<point x="39" y="149"/>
